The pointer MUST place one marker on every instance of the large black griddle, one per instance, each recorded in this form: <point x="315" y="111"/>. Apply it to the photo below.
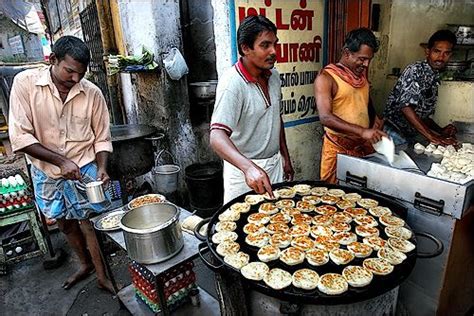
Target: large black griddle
<point x="378" y="286"/>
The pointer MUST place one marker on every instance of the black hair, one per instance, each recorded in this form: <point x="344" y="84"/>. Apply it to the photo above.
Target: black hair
<point x="442" y="35"/>
<point x="74" y="47"/>
<point x="361" y="36"/>
<point x="250" y="28"/>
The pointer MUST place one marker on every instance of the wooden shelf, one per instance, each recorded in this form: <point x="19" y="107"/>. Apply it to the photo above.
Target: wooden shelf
<point x="456" y="47"/>
<point x="146" y="71"/>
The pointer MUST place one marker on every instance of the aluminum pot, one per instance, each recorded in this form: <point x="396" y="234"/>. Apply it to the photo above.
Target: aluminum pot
<point x="152" y="232"/>
<point x="204" y="89"/>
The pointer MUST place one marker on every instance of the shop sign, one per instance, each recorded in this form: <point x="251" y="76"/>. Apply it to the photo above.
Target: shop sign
<point x="300" y="28"/>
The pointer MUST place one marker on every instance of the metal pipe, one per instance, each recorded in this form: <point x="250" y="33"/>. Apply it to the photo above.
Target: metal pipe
<point x="108" y="43"/>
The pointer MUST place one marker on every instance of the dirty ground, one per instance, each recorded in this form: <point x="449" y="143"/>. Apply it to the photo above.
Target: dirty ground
<point x="29" y="289"/>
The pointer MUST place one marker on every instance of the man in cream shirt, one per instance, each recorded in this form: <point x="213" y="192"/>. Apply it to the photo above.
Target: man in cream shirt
<point x="61" y="121"/>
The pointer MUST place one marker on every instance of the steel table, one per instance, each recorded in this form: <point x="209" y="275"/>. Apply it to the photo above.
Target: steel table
<point x="209" y="306"/>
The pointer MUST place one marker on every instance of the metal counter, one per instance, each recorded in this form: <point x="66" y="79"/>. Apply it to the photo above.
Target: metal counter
<point x="209" y="305"/>
<point x="441" y="285"/>
<point x="426" y="193"/>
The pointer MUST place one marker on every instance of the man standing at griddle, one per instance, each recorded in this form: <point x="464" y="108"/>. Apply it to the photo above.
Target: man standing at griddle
<point x="246" y="127"/>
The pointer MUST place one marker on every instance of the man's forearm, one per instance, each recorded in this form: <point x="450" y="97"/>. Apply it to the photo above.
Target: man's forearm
<point x="339" y="125"/>
<point x="417" y="122"/>
<point x="40" y="152"/>
<point x="432" y="125"/>
<point x="226" y="149"/>
<point x="101" y="159"/>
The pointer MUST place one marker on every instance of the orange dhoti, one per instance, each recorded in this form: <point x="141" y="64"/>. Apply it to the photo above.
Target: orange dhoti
<point x="335" y="144"/>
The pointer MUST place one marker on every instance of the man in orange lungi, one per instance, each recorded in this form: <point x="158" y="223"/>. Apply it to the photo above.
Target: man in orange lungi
<point x="345" y="110"/>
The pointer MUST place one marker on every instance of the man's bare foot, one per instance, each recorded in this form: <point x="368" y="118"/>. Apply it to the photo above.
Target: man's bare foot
<point x="81" y="274"/>
<point x="106" y="285"/>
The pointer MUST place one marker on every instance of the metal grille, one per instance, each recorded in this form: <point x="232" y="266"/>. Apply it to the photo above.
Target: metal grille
<point x="92" y="37"/>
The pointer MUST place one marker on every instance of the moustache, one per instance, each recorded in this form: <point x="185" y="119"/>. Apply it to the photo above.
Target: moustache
<point x="271" y="58"/>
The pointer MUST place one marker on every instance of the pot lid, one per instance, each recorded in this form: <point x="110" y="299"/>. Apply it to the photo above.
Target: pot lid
<point x="130" y="131"/>
<point x="150" y="218"/>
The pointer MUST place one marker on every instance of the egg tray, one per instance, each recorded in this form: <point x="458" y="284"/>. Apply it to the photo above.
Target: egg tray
<point x="14" y="210"/>
<point x="5" y="173"/>
<point x="378" y="286"/>
<point x="10" y="189"/>
<point x="177" y="299"/>
<point x="174" y="281"/>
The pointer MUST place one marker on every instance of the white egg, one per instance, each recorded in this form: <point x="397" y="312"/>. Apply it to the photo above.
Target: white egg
<point x="19" y="179"/>
<point x="18" y="249"/>
<point x="12" y="181"/>
<point x="9" y="252"/>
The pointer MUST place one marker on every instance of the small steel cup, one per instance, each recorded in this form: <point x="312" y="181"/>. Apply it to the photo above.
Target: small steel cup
<point x="95" y="192"/>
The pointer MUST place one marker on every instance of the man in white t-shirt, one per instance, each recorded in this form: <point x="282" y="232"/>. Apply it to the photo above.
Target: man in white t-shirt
<point x="246" y="126"/>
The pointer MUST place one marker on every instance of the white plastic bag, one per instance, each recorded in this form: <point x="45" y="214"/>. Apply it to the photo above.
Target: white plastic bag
<point x="386" y="147"/>
<point x="175" y="64"/>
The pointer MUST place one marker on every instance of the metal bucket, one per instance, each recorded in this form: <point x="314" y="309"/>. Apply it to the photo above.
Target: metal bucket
<point x="165" y="177"/>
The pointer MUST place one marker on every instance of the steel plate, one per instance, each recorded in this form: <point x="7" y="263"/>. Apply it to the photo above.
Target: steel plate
<point x="119" y="213"/>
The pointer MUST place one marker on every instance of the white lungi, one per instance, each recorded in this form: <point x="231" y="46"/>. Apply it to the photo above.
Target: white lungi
<point x="234" y="179"/>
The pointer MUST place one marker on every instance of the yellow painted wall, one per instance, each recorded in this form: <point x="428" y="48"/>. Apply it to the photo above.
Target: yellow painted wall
<point x="455" y="102"/>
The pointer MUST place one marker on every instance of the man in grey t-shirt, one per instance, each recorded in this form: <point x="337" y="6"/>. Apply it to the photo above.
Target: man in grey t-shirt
<point x="246" y="126"/>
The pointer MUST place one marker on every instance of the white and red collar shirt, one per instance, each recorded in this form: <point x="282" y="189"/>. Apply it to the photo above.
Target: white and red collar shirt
<point x="242" y="110"/>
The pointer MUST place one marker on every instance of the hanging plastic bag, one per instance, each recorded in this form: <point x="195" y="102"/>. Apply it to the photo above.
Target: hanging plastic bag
<point x="175" y="64"/>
